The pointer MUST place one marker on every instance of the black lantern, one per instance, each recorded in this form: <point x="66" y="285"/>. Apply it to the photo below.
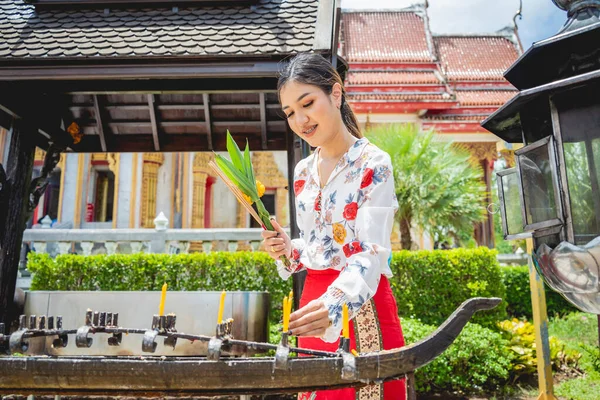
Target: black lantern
<point x="553" y="193"/>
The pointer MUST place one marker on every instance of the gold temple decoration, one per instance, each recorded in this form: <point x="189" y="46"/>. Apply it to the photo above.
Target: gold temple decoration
<point x="268" y="173"/>
<point x="508" y="153"/>
<point x="75" y="131"/>
<point x="39" y="154"/>
<point x="509" y="157"/>
<point x="481" y="151"/>
<point x="151" y="164"/>
<point x="3" y="135"/>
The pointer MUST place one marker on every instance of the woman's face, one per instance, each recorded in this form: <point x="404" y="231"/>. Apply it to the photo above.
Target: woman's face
<point x="312" y="114"/>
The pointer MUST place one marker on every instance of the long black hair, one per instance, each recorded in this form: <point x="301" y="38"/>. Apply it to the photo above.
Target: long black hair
<point x="314" y="69"/>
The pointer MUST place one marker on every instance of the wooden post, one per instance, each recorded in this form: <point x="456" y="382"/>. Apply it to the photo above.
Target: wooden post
<point x="297" y="150"/>
<point x="540" y="321"/>
<point x="18" y="173"/>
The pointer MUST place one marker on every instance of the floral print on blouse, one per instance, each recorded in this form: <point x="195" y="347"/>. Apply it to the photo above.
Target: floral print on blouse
<point x="346" y="225"/>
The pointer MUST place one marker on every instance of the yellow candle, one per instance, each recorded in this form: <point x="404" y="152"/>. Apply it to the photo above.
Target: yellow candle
<point x="290" y="303"/>
<point x="163" y="297"/>
<point x="346" y="331"/>
<point x="286" y="318"/>
<point x="221" y="306"/>
<point x="354" y="353"/>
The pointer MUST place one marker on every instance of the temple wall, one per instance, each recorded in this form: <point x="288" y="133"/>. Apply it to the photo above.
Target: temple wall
<point x="164" y="193"/>
<point x="69" y="188"/>
<point x="125" y="190"/>
<point x="224" y="207"/>
<point x="281" y="161"/>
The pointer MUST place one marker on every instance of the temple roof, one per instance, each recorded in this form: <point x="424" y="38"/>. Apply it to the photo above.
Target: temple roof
<point x="392" y="77"/>
<point x="268" y="27"/>
<point x="477" y="57"/>
<point x="397" y="96"/>
<point x="393" y="36"/>
<point x="470" y="98"/>
<point x="456" y="79"/>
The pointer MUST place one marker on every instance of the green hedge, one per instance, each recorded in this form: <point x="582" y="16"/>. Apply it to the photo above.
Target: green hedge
<point x="479" y="360"/>
<point x="430" y="285"/>
<point x="518" y="294"/>
<point x="184" y="272"/>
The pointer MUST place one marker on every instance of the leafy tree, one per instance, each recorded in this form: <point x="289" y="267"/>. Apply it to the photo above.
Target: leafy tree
<point x="437" y="186"/>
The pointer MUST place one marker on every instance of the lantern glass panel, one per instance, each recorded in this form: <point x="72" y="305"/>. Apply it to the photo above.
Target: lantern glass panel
<point x="579" y="117"/>
<point x="511" y="203"/>
<point x="537" y="173"/>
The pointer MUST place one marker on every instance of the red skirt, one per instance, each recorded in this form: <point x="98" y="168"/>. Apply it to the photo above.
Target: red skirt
<point x="378" y="328"/>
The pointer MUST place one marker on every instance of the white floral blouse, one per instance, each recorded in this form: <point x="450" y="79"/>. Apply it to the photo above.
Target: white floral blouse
<point x="346" y="225"/>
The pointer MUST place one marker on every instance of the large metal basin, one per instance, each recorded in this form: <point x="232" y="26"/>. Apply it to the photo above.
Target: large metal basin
<point x="196" y="314"/>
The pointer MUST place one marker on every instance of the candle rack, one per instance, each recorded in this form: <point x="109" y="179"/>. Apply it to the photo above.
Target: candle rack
<point x="121" y="374"/>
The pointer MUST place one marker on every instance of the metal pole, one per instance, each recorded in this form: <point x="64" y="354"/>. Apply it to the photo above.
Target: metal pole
<point x="540" y="321"/>
<point x="297" y="150"/>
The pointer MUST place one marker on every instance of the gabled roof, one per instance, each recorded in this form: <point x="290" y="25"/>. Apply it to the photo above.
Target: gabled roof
<point x="475" y="98"/>
<point x="476" y="57"/>
<point x="392" y="77"/>
<point x="394" y="36"/>
<point x="269" y="27"/>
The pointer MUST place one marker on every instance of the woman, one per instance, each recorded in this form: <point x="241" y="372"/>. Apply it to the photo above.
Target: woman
<point x="345" y="202"/>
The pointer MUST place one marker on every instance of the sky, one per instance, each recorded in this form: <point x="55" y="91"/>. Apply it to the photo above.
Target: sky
<point x="541" y="18"/>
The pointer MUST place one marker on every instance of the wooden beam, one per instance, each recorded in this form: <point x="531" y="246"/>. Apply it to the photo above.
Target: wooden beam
<point x="209" y="135"/>
<point x="172" y="143"/>
<point x="152" y="110"/>
<point x="263" y="121"/>
<point x="16" y="189"/>
<point x="100" y="124"/>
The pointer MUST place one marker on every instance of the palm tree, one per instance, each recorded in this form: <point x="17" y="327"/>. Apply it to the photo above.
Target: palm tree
<point x="437" y="187"/>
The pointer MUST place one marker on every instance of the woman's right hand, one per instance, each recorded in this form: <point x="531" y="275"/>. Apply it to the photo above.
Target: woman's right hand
<point x="277" y="243"/>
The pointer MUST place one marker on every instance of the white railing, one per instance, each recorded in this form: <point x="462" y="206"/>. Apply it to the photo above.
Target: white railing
<point x="157" y="240"/>
<point x="512" y="259"/>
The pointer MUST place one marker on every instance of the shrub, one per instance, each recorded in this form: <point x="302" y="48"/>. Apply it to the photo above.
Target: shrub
<point x="183" y="272"/>
<point x="479" y="359"/>
<point x="432" y="284"/>
<point x="521" y="336"/>
<point x="518" y="294"/>
<point x="429" y="284"/>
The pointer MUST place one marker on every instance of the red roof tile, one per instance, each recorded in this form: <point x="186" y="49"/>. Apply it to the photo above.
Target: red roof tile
<point x="354" y="97"/>
<point x="384" y="37"/>
<point x="471" y="118"/>
<point x="484" y="97"/>
<point x="475" y="57"/>
<point x="392" y="78"/>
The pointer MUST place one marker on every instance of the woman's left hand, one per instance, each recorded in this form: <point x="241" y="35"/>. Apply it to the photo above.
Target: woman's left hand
<point x="310" y="320"/>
